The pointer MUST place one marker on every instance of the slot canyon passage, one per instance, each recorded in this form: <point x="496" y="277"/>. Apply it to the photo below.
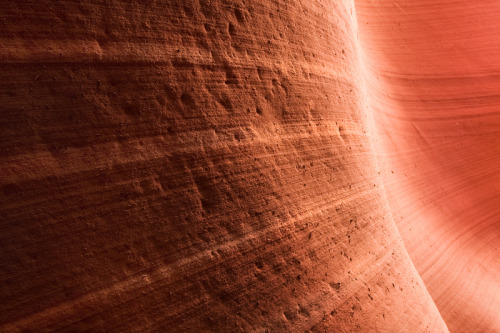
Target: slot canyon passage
<point x="250" y="166"/>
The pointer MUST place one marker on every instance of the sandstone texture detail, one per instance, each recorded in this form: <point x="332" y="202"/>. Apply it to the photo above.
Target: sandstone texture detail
<point x="432" y="76"/>
<point x="249" y="166"/>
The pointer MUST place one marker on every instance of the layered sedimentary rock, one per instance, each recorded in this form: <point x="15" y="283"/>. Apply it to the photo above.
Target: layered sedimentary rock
<point x="208" y="166"/>
<point x="432" y="72"/>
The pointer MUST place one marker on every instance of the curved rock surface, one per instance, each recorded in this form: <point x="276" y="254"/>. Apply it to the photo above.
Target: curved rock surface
<point x="211" y="166"/>
<point x="433" y="78"/>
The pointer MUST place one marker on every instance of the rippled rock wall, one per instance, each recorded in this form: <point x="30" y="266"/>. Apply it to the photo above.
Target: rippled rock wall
<point x="222" y="166"/>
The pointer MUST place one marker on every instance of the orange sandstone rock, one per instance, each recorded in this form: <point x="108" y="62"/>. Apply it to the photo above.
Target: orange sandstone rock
<point x="432" y="77"/>
<point x="211" y="166"/>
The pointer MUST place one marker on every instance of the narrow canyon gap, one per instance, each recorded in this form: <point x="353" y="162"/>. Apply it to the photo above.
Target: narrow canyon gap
<point x="213" y="166"/>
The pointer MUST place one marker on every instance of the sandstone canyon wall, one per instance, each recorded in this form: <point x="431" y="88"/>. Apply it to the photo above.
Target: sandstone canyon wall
<point x="433" y="76"/>
<point x="213" y="166"/>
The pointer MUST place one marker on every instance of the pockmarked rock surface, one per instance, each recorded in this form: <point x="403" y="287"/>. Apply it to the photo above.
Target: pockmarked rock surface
<point x="213" y="166"/>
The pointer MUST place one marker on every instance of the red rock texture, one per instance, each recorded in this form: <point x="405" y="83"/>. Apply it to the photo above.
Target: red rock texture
<point x="433" y="79"/>
<point x="211" y="166"/>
